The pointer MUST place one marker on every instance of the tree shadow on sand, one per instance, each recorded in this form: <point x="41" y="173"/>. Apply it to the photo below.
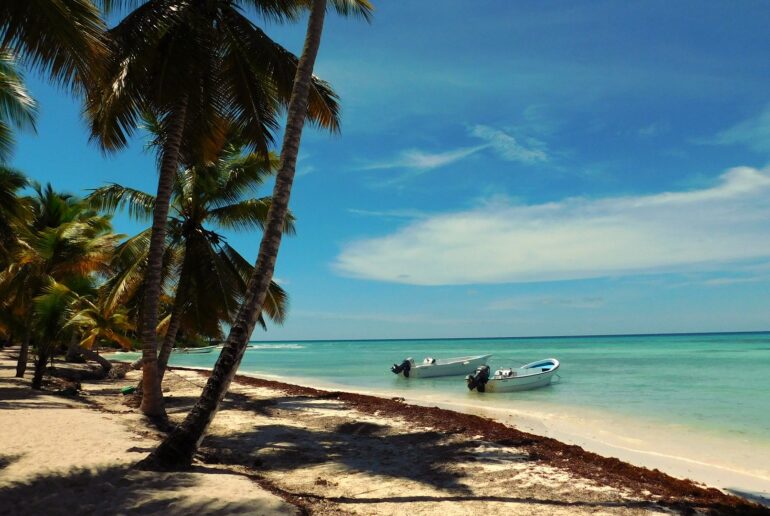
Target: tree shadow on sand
<point x="423" y="456"/>
<point x="121" y="490"/>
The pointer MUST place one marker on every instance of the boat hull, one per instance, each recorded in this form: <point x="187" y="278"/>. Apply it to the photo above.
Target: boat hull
<point x="530" y="376"/>
<point x="205" y="349"/>
<point x="461" y="367"/>
<point x="523" y="383"/>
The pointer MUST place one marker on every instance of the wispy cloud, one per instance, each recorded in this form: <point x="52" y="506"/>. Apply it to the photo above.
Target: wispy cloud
<point x="574" y="238"/>
<point x="508" y="147"/>
<point x="652" y="130"/>
<point x="504" y="145"/>
<point x="754" y="133"/>
<point x="422" y="160"/>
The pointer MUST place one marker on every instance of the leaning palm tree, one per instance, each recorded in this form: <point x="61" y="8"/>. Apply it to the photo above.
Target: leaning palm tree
<point x="97" y="322"/>
<point x="212" y="276"/>
<point x="198" y="67"/>
<point x="178" y="448"/>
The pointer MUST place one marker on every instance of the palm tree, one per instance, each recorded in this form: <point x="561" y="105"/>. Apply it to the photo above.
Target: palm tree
<point x="198" y="67"/>
<point x="17" y="108"/>
<point x="97" y="322"/>
<point x="178" y="448"/>
<point x="212" y="275"/>
<point x="64" y="242"/>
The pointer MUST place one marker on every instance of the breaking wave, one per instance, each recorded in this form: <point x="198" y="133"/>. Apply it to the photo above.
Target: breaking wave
<point x="276" y="346"/>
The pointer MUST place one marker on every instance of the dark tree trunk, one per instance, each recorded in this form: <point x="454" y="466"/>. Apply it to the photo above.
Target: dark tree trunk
<point x="40" y="366"/>
<point x="21" y="364"/>
<point x="73" y="351"/>
<point x="180" y="299"/>
<point x="152" y="396"/>
<point x="96" y="357"/>
<point x="177" y="450"/>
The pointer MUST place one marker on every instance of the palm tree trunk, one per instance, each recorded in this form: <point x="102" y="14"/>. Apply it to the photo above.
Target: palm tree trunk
<point x="96" y="357"/>
<point x="152" y="396"/>
<point x="40" y="363"/>
<point x="178" y="448"/>
<point x="21" y="364"/>
<point x="176" y="317"/>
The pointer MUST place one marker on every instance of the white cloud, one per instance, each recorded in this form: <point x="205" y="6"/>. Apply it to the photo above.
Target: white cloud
<point x="753" y="132"/>
<point x="574" y="238"/>
<point x="421" y="160"/>
<point x="508" y="148"/>
<point x="501" y="143"/>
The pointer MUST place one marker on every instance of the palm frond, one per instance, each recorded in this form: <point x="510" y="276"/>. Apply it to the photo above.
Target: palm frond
<point x="359" y="8"/>
<point x="248" y="215"/>
<point x="113" y="196"/>
<point x="61" y="38"/>
<point x="17" y="107"/>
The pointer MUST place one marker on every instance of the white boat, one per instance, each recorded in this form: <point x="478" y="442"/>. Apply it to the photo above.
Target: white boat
<point x="204" y="349"/>
<point x="529" y="376"/>
<point x="432" y="367"/>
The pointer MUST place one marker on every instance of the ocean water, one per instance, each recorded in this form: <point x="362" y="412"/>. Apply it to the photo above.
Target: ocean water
<point x="716" y="384"/>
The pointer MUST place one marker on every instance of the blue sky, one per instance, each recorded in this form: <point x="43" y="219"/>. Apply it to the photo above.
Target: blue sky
<point x="512" y="169"/>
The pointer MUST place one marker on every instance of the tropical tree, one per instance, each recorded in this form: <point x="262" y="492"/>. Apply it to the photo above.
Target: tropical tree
<point x="65" y="243"/>
<point x="198" y="67"/>
<point x="178" y="448"/>
<point x="212" y="276"/>
<point x="98" y="322"/>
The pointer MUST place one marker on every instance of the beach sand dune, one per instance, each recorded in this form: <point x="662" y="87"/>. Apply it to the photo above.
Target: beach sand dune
<point x="280" y="449"/>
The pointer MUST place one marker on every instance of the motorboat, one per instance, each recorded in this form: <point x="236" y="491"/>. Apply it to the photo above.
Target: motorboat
<point x="529" y="376"/>
<point x="204" y="349"/>
<point x="432" y="367"/>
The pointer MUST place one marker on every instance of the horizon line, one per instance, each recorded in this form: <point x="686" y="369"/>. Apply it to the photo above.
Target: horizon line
<point x="600" y="335"/>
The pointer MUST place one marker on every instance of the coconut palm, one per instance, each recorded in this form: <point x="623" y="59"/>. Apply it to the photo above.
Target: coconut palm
<point x="178" y="448"/>
<point x="64" y="242"/>
<point x="96" y="322"/>
<point x="198" y="67"/>
<point x="17" y="108"/>
<point x="101" y="324"/>
<point x="212" y="276"/>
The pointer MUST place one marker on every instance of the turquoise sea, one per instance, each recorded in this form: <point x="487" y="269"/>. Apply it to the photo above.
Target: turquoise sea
<point x="716" y="383"/>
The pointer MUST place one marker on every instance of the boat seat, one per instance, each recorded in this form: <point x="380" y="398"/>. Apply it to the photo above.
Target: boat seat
<point x="429" y="360"/>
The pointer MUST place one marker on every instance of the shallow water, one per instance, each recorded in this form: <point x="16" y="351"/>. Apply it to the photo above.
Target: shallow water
<point x="715" y="384"/>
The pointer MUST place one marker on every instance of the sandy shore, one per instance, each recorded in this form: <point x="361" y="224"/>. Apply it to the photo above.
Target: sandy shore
<point x="282" y="449"/>
<point x="731" y="465"/>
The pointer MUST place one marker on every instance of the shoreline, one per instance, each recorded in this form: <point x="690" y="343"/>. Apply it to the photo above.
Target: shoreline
<point x="647" y="446"/>
<point x="321" y="452"/>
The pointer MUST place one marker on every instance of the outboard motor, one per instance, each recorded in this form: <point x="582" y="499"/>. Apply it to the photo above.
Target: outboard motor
<point x="405" y="366"/>
<point x="479" y="379"/>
